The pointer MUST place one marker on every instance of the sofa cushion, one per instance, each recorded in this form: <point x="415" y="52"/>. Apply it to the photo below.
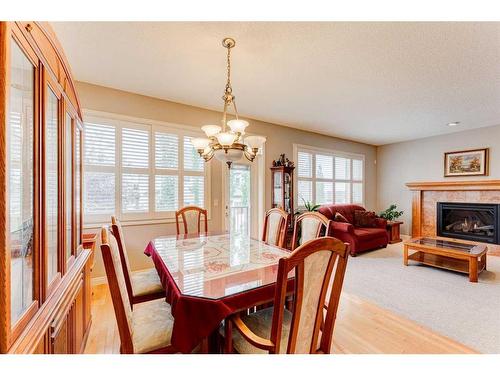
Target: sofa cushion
<point x="365" y="219"/>
<point x="365" y="234"/>
<point x="340" y="218"/>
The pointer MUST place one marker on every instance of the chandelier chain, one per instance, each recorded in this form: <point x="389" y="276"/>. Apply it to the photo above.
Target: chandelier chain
<point x="229" y="89"/>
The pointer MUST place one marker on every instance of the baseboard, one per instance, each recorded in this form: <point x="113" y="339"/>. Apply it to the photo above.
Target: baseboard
<point x="98" y="280"/>
<point x="405" y="237"/>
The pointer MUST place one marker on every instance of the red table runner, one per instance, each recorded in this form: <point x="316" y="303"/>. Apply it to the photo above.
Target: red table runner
<point x="195" y="317"/>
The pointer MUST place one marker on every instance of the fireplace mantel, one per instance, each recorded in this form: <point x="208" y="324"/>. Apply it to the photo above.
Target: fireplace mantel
<point x="455" y="185"/>
<point x="426" y="195"/>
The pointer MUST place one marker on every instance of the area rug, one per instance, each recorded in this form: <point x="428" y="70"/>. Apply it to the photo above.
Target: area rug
<point x="444" y="301"/>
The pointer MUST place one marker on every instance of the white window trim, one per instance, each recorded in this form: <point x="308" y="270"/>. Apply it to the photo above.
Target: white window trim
<point x="151" y="217"/>
<point x="325" y="151"/>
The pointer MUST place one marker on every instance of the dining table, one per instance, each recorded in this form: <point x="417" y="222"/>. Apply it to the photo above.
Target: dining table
<point x="210" y="276"/>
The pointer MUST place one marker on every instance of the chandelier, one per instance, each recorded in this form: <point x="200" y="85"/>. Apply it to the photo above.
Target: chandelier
<point x="228" y="145"/>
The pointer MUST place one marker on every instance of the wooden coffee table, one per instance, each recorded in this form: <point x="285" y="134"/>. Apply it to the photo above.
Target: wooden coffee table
<point x="457" y="255"/>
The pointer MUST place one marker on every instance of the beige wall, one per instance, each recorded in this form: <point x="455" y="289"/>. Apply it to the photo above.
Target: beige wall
<point x="422" y="160"/>
<point x="280" y="139"/>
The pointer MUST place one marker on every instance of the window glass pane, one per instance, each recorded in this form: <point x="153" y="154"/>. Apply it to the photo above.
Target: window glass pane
<point x="78" y="168"/>
<point x="20" y="180"/>
<point x="357" y="169"/>
<point x="135" y="148"/>
<point x="192" y="160"/>
<point x="357" y="192"/>
<point x="194" y="191"/>
<point x="324" y="166"/>
<point x="304" y="192"/>
<point x="135" y="192"/>
<point x="99" y="144"/>
<point x="68" y="156"/>
<point x="166" y="192"/>
<point x="99" y="193"/>
<point x="342" y="192"/>
<point x="166" y="150"/>
<point x="324" y="192"/>
<point x="342" y="168"/>
<point x="51" y="183"/>
<point x="304" y="164"/>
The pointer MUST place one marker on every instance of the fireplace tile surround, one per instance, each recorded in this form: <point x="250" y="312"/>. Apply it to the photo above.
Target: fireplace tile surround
<point x="426" y="195"/>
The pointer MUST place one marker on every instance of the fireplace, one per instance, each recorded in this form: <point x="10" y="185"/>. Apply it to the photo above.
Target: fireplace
<point x="469" y="221"/>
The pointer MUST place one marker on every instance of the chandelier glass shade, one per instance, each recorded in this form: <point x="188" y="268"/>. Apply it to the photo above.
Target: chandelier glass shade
<point x="227" y="142"/>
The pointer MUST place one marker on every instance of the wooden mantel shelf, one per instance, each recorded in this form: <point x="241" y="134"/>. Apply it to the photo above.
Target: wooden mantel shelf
<point x="455" y="185"/>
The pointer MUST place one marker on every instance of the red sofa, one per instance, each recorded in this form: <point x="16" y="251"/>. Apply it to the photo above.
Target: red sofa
<point x="359" y="239"/>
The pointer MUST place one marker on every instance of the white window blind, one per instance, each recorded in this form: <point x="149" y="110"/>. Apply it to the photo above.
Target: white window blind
<point x="99" y="195"/>
<point x="325" y="177"/>
<point x="304" y="163"/>
<point x="194" y="190"/>
<point x="135" y="192"/>
<point x="140" y="171"/>
<point x="167" y="193"/>
<point x="135" y="148"/>
<point x="192" y="160"/>
<point x="99" y="144"/>
<point x="166" y="150"/>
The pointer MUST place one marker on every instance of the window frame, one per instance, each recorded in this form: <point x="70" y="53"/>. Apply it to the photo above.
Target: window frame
<point x="151" y="216"/>
<point x="313" y="179"/>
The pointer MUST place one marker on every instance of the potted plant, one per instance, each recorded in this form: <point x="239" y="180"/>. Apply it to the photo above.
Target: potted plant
<point x="391" y="214"/>
<point x="393" y="226"/>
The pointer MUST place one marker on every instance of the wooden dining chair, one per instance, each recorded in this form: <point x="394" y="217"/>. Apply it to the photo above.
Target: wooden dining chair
<point x="308" y="226"/>
<point x="141" y="286"/>
<point x="191" y="219"/>
<point x="275" y="226"/>
<point x="308" y="327"/>
<point x="146" y="329"/>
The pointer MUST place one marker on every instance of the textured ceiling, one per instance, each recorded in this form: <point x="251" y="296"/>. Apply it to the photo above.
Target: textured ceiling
<point x="373" y="82"/>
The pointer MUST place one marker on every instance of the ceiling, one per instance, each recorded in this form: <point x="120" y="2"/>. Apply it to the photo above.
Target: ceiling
<point x="376" y="83"/>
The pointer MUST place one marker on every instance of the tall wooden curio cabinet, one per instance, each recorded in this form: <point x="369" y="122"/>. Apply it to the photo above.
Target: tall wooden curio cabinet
<point x="44" y="270"/>
<point x="282" y="189"/>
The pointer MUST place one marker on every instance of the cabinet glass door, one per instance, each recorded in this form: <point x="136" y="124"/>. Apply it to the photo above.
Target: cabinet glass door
<point x="68" y="181"/>
<point x="20" y="153"/>
<point x="51" y="184"/>
<point x="278" y="189"/>
<point x="78" y="182"/>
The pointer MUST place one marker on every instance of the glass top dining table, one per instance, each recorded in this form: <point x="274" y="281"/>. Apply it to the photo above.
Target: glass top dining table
<point x="215" y="266"/>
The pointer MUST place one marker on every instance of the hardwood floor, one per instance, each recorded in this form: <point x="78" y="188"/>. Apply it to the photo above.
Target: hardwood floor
<point x="361" y="327"/>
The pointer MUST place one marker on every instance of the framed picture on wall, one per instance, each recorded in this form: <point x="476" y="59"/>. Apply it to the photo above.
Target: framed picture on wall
<point x="466" y="163"/>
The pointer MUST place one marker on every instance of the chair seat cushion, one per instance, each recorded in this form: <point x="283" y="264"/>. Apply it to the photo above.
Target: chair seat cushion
<point x="145" y="282"/>
<point x="152" y="324"/>
<point x="369" y="233"/>
<point x="260" y="323"/>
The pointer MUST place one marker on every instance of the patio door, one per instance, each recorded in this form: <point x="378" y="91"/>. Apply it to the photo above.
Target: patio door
<point x="238" y="210"/>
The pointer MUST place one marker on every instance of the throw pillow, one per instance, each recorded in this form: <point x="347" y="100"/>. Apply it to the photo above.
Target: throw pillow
<point x="340" y="218"/>
<point x="365" y="219"/>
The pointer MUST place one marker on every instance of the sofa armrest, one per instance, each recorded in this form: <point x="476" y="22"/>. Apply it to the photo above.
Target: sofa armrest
<point x="342" y="227"/>
<point x="381" y="223"/>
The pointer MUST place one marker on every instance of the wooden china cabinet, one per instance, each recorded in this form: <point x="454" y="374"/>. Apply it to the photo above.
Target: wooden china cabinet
<point x="282" y="194"/>
<point x="44" y="269"/>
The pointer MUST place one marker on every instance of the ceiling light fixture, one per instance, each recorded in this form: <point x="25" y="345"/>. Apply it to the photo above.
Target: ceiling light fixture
<point x="228" y="145"/>
<point x="455" y="123"/>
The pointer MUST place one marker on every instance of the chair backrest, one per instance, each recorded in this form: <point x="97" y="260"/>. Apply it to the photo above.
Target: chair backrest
<point x="116" y="229"/>
<point x="119" y="295"/>
<point x="309" y="226"/>
<point x="275" y="226"/>
<point x="316" y="263"/>
<point x="191" y="218"/>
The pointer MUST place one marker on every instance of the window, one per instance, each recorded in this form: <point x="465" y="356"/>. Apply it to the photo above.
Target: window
<point x="325" y="176"/>
<point x="140" y="171"/>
